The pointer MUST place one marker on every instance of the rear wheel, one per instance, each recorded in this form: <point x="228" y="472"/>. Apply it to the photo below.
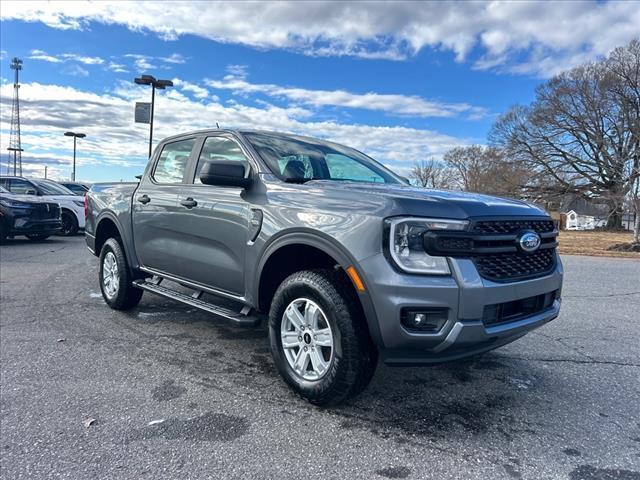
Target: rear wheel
<point x="115" y="277"/>
<point x="318" y="337"/>
<point x="69" y="224"/>
<point x="38" y="237"/>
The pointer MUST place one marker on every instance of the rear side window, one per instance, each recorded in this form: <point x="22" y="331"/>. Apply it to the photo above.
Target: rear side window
<point x="220" y="149"/>
<point x="77" y="189"/>
<point x="173" y="161"/>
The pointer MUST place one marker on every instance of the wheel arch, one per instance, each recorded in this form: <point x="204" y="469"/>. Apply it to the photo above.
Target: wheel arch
<point x="108" y="226"/>
<point x="303" y="250"/>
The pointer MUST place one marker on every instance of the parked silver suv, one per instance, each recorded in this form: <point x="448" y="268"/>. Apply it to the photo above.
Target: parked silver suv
<point x="345" y="260"/>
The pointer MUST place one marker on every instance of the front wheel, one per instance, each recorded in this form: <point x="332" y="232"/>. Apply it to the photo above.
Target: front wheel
<point x="69" y="224"/>
<point x="115" y="277"/>
<point x="318" y="337"/>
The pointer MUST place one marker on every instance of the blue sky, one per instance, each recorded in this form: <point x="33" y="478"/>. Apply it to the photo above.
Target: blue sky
<point x="403" y="82"/>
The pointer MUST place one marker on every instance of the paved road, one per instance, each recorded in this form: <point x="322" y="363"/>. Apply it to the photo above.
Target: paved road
<point x="563" y="402"/>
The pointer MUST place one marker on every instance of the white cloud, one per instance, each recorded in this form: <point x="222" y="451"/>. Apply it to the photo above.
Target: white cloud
<point x="141" y="62"/>
<point x="117" y="67"/>
<point x="43" y="56"/>
<point x="238" y="71"/>
<point x="503" y="34"/>
<point x="173" y="58"/>
<point x="64" y="57"/>
<point x="82" y="59"/>
<point x="149" y="62"/>
<point x="196" y="90"/>
<point x="395" y="104"/>
<point x="114" y="139"/>
<point x="76" y="71"/>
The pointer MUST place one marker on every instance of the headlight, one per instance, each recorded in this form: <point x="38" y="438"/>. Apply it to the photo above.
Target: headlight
<point x="407" y="248"/>
<point x="79" y="203"/>
<point x="14" y="204"/>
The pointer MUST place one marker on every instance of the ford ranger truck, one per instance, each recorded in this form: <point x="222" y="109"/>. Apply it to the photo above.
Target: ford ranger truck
<point x="345" y="262"/>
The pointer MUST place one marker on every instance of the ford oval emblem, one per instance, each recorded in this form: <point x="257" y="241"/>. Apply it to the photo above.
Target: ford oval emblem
<point x="529" y="241"/>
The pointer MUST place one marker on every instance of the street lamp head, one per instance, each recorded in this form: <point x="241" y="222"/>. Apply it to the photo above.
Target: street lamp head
<point x="81" y="135"/>
<point x="144" y="80"/>
<point x="69" y="134"/>
<point x="151" y="80"/>
<point x="16" y="63"/>
<point x="74" y="134"/>
<point x="162" y="84"/>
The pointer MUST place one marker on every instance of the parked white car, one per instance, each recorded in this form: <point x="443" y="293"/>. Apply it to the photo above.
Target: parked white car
<point x="72" y="206"/>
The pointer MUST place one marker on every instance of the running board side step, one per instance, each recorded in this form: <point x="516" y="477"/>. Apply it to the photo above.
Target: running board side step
<point x="242" y="318"/>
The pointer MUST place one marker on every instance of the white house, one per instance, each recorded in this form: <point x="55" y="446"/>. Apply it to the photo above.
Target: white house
<point x="575" y="221"/>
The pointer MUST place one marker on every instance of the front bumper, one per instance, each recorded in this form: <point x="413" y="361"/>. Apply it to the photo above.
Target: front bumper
<point x="25" y="226"/>
<point x="465" y="294"/>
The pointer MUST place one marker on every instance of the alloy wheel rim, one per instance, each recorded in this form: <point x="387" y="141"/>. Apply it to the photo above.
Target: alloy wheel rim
<point x="67" y="224"/>
<point x="110" y="275"/>
<point x="306" y="339"/>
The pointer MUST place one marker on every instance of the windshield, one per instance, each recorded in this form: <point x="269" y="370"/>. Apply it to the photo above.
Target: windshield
<point x="51" y="188"/>
<point x="297" y="159"/>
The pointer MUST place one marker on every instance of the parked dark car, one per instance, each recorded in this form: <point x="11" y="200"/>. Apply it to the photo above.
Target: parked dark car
<point x="72" y="207"/>
<point x="78" y="188"/>
<point x="34" y="217"/>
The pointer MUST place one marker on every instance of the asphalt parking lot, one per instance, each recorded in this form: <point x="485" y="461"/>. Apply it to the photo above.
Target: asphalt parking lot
<point x="177" y="393"/>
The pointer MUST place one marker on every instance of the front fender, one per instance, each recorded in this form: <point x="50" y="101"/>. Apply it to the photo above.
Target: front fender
<point x="331" y="247"/>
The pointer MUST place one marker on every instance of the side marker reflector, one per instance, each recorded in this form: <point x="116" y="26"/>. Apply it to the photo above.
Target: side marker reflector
<point x="355" y="278"/>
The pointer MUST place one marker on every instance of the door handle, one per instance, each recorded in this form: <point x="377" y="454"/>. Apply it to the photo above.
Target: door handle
<point x="144" y="199"/>
<point x="188" y="202"/>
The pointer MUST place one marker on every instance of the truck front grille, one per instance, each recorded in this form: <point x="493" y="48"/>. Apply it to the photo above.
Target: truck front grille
<point x="44" y="211"/>
<point x="492" y="245"/>
<point x="513" y="226"/>
<point x="513" y="266"/>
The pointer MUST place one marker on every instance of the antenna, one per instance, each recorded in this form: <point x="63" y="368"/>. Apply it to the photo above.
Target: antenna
<point x="14" y="134"/>
<point x="217" y="126"/>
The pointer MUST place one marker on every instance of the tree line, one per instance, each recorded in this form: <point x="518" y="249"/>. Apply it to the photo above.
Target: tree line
<point x="580" y="135"/>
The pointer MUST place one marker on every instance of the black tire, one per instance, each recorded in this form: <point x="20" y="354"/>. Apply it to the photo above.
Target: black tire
<point x="69" y="224"/>
<point x="354" y="358"/>
<point x="126" y="296"/>
<point x="38" y="237"/>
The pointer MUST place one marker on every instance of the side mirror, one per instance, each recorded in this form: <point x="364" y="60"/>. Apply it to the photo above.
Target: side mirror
<point x="31" y="191"/>
<point x="226" y="174"/>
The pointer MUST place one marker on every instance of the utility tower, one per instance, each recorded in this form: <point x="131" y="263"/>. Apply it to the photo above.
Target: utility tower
<point x="15" y="145"/>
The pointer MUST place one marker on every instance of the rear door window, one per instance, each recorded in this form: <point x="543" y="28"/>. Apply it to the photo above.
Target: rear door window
<point x="173" y="161"/>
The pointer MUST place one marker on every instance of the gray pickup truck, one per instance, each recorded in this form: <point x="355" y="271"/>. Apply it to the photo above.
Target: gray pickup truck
<point x="344" y="260"/>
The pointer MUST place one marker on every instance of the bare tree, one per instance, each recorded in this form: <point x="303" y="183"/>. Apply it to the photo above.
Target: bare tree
<point x="635" y="204"/>
<point x="582" y="130"/>
<point x="486" y="170"/>
<point x="624" y="65"/>
<point x="431" y="174"/>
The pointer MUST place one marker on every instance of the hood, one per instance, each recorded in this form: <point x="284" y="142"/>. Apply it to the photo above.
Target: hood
<point x="411" y="200"/>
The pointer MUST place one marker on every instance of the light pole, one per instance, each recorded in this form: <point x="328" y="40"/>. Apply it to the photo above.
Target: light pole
<point x="75" y="136"/>
<point x="160" y="85"/>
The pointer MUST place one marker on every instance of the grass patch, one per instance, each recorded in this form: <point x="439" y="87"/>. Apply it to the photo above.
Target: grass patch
<point x="594" y="243"/>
